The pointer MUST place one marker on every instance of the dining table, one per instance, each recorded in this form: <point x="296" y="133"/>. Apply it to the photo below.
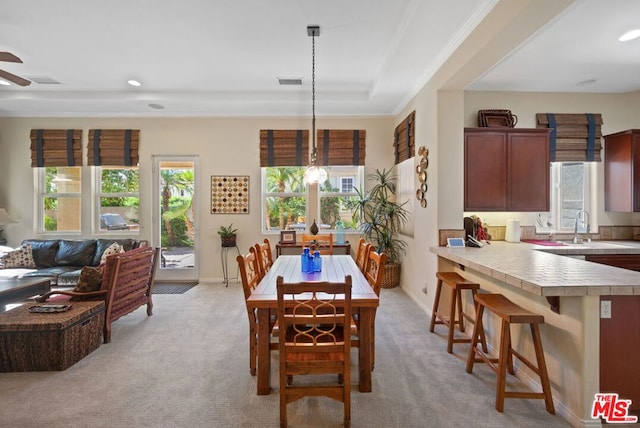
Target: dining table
<point x="364" y="301"/>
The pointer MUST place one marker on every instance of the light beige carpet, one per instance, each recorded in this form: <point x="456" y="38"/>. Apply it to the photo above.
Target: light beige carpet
<point x="187" y="366"/>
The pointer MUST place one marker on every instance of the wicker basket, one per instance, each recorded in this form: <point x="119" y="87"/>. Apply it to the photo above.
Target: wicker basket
<point x="391" y="277"/>
<point x="228" y="241"/>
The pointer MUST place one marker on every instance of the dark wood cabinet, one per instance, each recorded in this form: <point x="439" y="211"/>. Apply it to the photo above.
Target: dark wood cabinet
<point x="506" y="169"/>
<point x="622" y="171"/>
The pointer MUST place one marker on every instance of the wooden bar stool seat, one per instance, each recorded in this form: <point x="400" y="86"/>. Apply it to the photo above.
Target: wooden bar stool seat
<point x="510" y="313"/>
<point x="457" y="284"/>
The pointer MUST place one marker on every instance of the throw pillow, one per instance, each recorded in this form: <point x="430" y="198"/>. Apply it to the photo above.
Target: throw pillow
<point x="21" y="257"/>
<point x="90" y="280"/>
<point x="112" y="249"/>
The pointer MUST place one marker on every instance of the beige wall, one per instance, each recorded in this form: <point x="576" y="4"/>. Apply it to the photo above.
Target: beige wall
<point x="225" y="146"/>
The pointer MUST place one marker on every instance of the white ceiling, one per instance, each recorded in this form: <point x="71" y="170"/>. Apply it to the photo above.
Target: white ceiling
<point x="223" y="57"/>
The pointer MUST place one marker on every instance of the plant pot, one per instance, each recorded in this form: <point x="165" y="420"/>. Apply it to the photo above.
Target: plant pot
<point x="391" y="278"/>
<point x="228" y="241"/>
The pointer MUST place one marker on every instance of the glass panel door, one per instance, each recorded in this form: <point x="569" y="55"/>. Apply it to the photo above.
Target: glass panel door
<point x="174" y="220"/>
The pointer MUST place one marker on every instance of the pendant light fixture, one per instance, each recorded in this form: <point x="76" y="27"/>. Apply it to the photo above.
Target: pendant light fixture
<point x="314" y="174"/>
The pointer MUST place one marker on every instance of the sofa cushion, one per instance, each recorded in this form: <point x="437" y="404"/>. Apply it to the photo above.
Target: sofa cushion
<point x="103" y="244"/>
<point x="21" y="257"/>
<point x="44" y="251"/>
<point x="76" y="253"/>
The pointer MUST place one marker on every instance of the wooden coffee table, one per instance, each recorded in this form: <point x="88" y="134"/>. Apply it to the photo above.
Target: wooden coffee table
<point x="18" y="289"/>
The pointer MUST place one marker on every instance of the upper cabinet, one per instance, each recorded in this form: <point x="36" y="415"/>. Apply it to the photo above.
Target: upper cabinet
<point x="506" y="169"/>
<point x="622" y="171"/>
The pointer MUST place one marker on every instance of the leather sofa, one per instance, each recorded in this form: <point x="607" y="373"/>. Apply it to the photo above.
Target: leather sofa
<point x="62" y="259"/>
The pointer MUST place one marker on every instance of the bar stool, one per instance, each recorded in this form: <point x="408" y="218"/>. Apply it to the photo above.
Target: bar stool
<point x="510" y="313"/>
<point x="456" y="315"/>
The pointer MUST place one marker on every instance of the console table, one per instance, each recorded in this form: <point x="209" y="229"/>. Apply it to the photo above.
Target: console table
<point x="295" y="249"/>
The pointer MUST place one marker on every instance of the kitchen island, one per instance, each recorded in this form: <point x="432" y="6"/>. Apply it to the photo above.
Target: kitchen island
<point x="567" y="291"/>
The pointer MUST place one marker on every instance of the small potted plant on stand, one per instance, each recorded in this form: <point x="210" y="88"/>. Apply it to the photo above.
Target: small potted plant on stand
<point x="228" y="235"/>
<point x="381" y="216"/>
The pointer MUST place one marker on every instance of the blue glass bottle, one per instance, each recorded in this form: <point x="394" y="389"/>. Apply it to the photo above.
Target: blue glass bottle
<point x="304" y="259"/>
<point x="317" y="262"/>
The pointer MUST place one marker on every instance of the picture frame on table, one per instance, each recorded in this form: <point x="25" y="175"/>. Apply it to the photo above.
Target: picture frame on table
<point x="288" y="237"/>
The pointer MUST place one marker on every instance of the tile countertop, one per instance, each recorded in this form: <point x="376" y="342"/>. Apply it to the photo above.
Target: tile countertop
<point x="542" y="271"/>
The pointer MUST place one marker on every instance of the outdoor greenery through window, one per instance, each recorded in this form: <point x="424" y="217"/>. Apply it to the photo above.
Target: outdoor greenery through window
<point x="285" y="198"/>
<point x="118" y="198"/>
<point x="59" y="204"/>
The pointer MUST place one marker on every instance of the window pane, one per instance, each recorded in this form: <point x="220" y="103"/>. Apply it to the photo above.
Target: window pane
<point x="118" y="199"/>
<point x="61" y="214"/>
<point x="334" y="208"/>
<point x="572" y="192"/>
<point x="285" y="212"/>
<point x="61" y="206"/>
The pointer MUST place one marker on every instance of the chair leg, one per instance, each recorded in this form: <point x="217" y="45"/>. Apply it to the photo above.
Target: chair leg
<point x="436" y="303"/>
<point x="253" y="352"/>
<point x="503" y="359"/>
<point x="542" y="369"/>
<point x="460" y="317"/>
<point x="452" y="319"/>
<point x="478" y="330"/>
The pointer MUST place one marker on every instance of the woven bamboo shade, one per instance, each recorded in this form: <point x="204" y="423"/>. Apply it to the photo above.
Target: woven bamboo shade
<point x="344" y="147"/>
<point x="56" y="147"/>
<point x="284" y="147"/>
<point x="404" y="138"/>
<point x="577" y="137"/>
<point x="113" y="147"/>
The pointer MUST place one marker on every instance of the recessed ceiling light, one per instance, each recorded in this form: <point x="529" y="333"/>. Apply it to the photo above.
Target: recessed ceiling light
<point x="630" y="35"/>
<point x="4" y="83"/>
<point x="290" y="80"/>
<point x="156" y="106"/>
<point x="134" y="82"/>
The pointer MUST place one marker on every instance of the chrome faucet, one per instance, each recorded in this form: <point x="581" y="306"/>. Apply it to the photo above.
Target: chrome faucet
<point x="577" y="239"/>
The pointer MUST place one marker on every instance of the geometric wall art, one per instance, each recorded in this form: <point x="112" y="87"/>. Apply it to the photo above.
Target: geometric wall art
<point x="229" y="194"/>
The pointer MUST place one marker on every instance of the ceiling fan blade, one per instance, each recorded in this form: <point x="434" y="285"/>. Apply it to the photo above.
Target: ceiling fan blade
<point x="13" y="78"/>
<point x="9" y="57"/>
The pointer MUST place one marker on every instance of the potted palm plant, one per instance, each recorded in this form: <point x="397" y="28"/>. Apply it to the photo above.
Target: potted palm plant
<point x="380" y="217"/>
<point x="228" y="235"/>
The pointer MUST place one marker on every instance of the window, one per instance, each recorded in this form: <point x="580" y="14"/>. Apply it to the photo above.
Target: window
<point x="284" y="198"/>
<point x="335" y="193"/>
<point x="571" y="191"/>
<point x="59" y="199"/>
<point x="117" y="199"/>
<point x="347" y="184"/>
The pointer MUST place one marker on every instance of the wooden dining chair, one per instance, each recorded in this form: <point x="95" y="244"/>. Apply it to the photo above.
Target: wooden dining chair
<point x="316" y="342"/>
<point x="362" y="254"/>
<point x="263" y="255"/>
<point x="250" y="277"/>
<point x="321" y="243"/>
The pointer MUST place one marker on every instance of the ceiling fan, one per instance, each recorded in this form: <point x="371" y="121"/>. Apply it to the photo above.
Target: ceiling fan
<point x="9" y="57"/>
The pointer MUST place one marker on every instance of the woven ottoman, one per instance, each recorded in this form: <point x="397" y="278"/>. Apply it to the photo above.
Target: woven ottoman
<point x="49" y="341"/>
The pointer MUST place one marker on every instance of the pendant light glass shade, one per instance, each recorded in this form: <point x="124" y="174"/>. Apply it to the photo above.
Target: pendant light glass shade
<point x="313" y="174"/>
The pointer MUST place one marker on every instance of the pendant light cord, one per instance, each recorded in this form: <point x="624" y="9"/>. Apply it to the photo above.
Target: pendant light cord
<point x="313" y="97"/>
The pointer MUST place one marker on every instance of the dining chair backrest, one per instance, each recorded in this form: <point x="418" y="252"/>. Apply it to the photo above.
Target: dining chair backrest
<point x="264" y="256"/>
<point x="250" y="277"/>
<point x="321" y="243"/>
<point x="374" y="269"/>
<point x="362" y="254"/>
<point x="314" y="319"/>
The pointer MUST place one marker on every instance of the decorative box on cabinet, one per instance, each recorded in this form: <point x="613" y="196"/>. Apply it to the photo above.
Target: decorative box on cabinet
<point x="506" y="169"/>
<point x="622" y="171"/>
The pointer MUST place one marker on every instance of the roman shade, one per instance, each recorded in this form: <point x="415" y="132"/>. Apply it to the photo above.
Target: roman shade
<point x="113" y="147"/>
<point x="404" y="138"/>
<point x="284" y="147"/>
<point x="341" y="147"/>
<point x="56" y="147"/>
<point x="574" y="137"/>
